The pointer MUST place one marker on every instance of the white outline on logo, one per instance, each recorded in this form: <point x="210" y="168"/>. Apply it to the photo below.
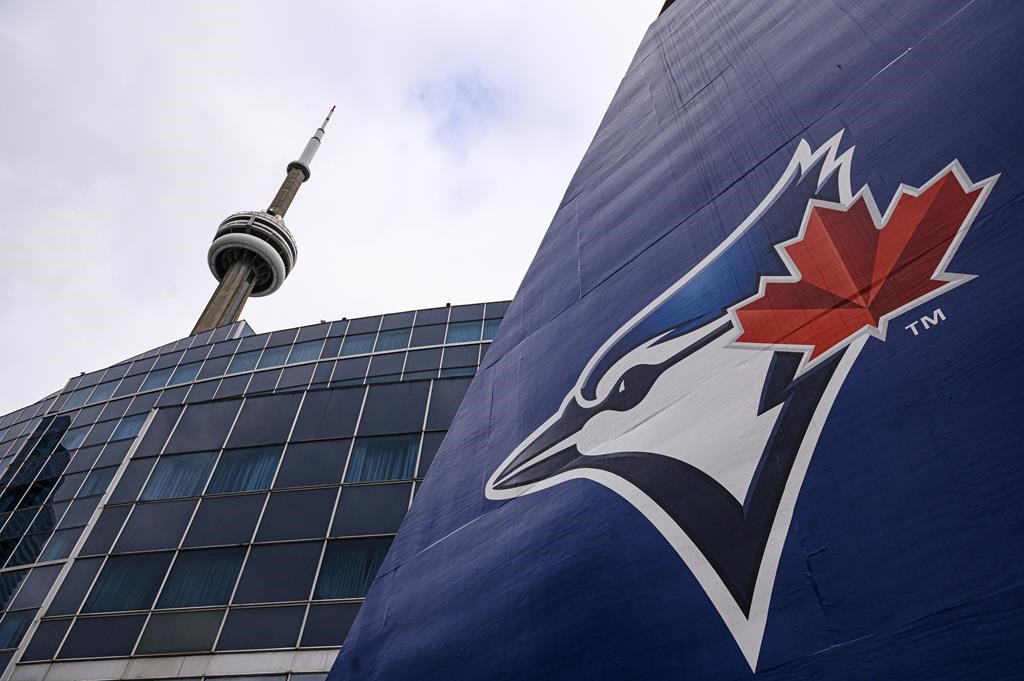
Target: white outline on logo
<point x="748" y="631"/>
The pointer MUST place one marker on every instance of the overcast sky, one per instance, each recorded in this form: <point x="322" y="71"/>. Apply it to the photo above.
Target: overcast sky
<point x="129" y="130"/>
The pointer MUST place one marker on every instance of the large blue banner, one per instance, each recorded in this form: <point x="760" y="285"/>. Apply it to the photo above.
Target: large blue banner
<point x="755" y="410"/>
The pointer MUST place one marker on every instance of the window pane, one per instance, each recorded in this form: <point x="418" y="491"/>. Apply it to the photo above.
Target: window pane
<point x="279" y="572"/>
<point x="462" y="356"/>
<point x="185" y="373"/>
<point x="305" y="352"/>
<point x="428" y="335"/>
<point x="45" y="641"/>
<point x="252" y="628"/>
<point x="202" y="578"/>
<point x="128" y="582"/>
<point x="61" y="544"/>
<point x="349" y="567"/>
<point x="383" y="458"/>
<point x="244" y="470"/>
<point x="463" y="332"/>
<point x="74" y="438"/>
<point x="392" y="340"/>
<point x="394" y="408"/>
<point x="297" y="515"/>
<point x="313" y="463"/>
<point x="179" y="476"/>
<point x="9" y="583"/>
<point x="444" y="402"/>
<point x="131" y="482"/>
<point x="265" y="420"/>
<point x="97" y="481"/>
<point x="101" y="536"/>
<point x="327" y="624"/>
<point x="155" y="526"/>
<point x="225" y="520"/>
<point x="73" y="588"/>
<point x="103" y="391"/>
<point x="245" y="361"/>
<point x="181" y="632"/>
<point x="490" y="328"/>
<point x="128" y="427"/>
<point x="358" y="344"/>
<point x="329" y="414"/>
<point x="13" y="627"/>
<point x="102" y="636"/>
<point x="157" y="379"/>
<point x="273" y="357"/>
<point x="371" y="509"/>
<point x="204" y="426"/>
<point x="36" y="587"/>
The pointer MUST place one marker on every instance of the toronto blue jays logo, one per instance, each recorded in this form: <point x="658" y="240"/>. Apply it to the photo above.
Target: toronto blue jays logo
<point x="703" y="411"/>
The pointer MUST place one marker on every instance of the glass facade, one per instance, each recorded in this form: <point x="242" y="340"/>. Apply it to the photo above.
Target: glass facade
<point x="228" y="492"/>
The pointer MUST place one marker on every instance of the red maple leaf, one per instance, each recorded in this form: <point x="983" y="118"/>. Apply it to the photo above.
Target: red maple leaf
<point x="849" y="274"/>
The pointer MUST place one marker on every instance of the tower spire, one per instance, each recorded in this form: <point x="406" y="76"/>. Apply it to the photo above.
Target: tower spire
<point x="253" y="252"/>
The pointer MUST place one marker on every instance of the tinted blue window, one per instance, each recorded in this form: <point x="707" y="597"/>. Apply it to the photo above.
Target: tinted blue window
<point x="97" y="481"/>
<point x="305" y="352"/>
<point x="13" y="627"/>
<point x="129" y="427"/>
<point x="202" y="578"/>
<point x="185" y="373"/>
<point x="103" y="391"/>
<point x="179" y="476"/>
<point x="491" y="328"/>
<point x="245" y="361"/>
<point x="157" y="379"/>
<point x="393" y="340"/>
<point x="273" y="357"/>
<point x="128" y="582"/>
<point x="349" y="567"/>
<point x="74" y="438"/>
<point x="391" y="457"/>
<point x="358" y="344"/>
<point x="463" y="332"/>
<point x="243" y="470"/>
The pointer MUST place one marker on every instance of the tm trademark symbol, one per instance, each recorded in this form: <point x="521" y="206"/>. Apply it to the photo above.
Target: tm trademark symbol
<point x="926" y="322"/>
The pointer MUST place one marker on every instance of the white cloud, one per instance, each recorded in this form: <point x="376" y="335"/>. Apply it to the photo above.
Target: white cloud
<point x="129" y="130"/>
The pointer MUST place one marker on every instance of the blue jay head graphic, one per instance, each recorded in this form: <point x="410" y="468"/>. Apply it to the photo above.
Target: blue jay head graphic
<point x="707" y="436"/>
<point x="688" y="316"/>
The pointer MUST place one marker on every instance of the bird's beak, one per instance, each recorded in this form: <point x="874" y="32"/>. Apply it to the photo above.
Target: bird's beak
<point x="547" y="451"/>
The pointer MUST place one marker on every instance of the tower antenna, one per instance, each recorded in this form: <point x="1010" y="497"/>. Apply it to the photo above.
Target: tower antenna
<point x="253" y="252"/>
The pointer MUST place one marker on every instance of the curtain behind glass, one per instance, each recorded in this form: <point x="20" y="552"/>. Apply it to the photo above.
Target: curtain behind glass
<point x="202" y="578"/>
<point x="179" y="476"/>
<point x="383" y="458"/>
<point x="349" y="567"/>
<point x="243" y="470"/>
<point x="128" y="583"/>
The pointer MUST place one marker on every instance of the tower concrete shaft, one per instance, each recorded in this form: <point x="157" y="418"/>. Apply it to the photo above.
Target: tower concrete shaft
<point x="253" y="252"/>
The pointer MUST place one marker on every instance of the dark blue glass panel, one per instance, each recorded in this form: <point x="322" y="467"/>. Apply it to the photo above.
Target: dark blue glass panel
<point x="13" y="627"/>
<point x="245" y="470"/>
<point x="305" y="352"/>
<point x="464" y="332"/>
<point x="273" y="357"/>
<point x="349" y="566"/>
<point x="358" y="344"/>
<point x="179" y="476"/>
<point x="205" y="577"/>
<point x="245" y="361"/>
<point x="128" y="582"/>
<point x="396" y="339"/>
<point x="391" y="457"/>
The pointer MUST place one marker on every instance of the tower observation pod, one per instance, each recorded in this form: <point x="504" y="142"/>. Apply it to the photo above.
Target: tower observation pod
<point x="253" y="252"/>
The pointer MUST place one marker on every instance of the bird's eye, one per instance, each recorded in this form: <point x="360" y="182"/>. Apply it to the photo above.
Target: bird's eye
<point x="622" y="386"/>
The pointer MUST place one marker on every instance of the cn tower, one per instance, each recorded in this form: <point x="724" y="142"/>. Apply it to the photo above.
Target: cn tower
<point x="253" y="252"/>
